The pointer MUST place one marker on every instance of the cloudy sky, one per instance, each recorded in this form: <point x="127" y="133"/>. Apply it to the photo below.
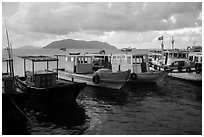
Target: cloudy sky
<point x="122" y="24"/>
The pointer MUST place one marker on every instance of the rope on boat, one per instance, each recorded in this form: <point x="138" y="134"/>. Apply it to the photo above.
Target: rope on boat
<point x="21" y="110"/>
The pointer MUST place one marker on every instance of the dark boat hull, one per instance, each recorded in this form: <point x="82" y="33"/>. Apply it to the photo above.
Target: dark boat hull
<point x="65" y="93"/>
<point x="13" y="119"/>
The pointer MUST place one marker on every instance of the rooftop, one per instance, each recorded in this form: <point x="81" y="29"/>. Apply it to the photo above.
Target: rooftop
<point x="39" y="58"/>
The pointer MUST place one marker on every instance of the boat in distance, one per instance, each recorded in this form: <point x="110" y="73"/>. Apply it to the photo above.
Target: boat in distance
<point x="183" y="64"/>
<point x="44" y="85"/>
<point x="94" y="69"/>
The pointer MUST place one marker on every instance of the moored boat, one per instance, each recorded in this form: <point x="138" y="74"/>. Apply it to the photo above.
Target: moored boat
<point x="139" y="66"/>
<point x="45" y="86"/>
<point x="194" y="73"/>
<point x="129" y="49"/>
<point x="190" y="76"/>
<point x="94" y="69"/>
<point x="184" y="64"/>
<point x="166" y="59"/>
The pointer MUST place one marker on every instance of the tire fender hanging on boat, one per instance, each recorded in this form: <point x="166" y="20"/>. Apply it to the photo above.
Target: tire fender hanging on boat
<point x="197" y="71"/>
<point x="188" y="70"/>
<point x="96" y="79"/>
<point x="133" y="76"/>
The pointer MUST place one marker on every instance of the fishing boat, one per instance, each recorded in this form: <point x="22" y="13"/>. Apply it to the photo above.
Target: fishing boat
<point x="63" y="49"/>
<point x="11" y="97"/>
<point x="167" y="59"/>
<point x="138" y="64"/>
<point x="184" y="64"/>
<point x="94" y="69"/>
<point x="193" y="73"/>
<point x="129" y="49"/>
<point x="44" y="85"/>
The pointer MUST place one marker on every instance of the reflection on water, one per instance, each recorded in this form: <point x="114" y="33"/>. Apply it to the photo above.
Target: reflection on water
<point x="58" y="120"/>
<point x="171" y="107"/>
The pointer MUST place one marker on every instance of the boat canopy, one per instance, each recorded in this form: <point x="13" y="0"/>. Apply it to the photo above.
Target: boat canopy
<point x="39" y="58"/>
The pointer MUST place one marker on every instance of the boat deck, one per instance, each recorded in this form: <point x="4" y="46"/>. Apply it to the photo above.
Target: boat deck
<point x="87" y="78"/>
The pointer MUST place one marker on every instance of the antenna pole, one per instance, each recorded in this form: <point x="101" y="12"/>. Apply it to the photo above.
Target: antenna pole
<point x="9" y="50"/>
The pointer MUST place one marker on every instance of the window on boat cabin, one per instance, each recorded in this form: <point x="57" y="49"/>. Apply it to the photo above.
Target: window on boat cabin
<point x="176" y="55"/>
<point x="128" y="59"/>
<point x="72" y="58"/>
<point x="69" y="59"/>
<point x="133" y="60"/>
<point x="183" y="55"/>
<point x="85" y="60"/>
<point x="145" y="58"/>
<point x="82" y="60"/>
<point x="179" y="55"/>
<point x="201" y="59"/>
<point x="155" y="57"/>
<point x="196" y="59"/>
<point x="139" y="59"/>
<point x="165" y="54"/>
<point x="79" y="60"/>
<point x="170" y="54"/>
<point x="191" y="58"/>
<point x="89" y="60"/>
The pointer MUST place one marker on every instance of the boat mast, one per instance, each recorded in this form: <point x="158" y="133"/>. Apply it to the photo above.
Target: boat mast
<point x="9" y="50"/>
<point x="172" y="42"/>
<point x="162" y="47"/>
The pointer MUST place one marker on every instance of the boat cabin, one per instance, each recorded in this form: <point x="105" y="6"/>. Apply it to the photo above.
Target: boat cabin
<point x="78" y="64"/>
<point x="171" y="56"/>
<point x="88" y="63"/>
<point x="155" y="56"/>
<point x="100" y="61"/>
<point x="195" y="57"/>
<point x="137" y="63"/>
<point x="40" y="78"/>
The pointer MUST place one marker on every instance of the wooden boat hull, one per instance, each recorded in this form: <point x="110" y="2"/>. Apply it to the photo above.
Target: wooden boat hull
<point x="107" y="80"/>
<point x="12" y="114"/>
<point x="151" y="77"/>
<point x="192" y="76"/>
<point x="64" y="93"/>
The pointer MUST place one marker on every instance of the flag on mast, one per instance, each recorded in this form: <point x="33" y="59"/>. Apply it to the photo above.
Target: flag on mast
<point x="161" y="38"/>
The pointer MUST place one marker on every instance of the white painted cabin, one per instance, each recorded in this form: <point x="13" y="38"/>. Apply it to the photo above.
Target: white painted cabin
<point x="78" y="64"/>
<point x="137" y="63"/>
<point x="171" y="56"/>
<point x="167" y="57"/>
<point x="86" y="64"/>
<point x="195" y="57"/>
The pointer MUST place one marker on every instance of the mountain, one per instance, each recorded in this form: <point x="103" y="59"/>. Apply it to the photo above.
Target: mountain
<point x="28" y="47"/>
<point x="79" y="44"/>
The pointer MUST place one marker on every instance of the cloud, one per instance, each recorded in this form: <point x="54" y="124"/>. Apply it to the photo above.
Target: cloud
<point x="63" y="18"/>
<point x="117" y="22"/>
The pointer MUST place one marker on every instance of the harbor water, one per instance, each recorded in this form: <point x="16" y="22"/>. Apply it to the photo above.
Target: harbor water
<point x="171" y="107"/>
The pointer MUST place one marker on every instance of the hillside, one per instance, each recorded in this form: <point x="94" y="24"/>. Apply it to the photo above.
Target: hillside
<point x="79" y="44"/>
